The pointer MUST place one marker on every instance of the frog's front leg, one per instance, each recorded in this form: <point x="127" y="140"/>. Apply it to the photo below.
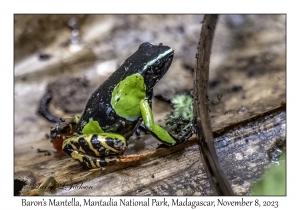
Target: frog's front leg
<point x="95" y="150"/>
<point x="160" y="133"/>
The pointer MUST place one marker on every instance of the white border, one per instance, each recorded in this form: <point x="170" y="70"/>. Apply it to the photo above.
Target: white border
<point x="8" y="8"/>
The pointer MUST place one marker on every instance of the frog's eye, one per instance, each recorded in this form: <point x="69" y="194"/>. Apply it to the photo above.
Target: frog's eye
<point x="158" y="65"/>
<point x="146" y="45"/>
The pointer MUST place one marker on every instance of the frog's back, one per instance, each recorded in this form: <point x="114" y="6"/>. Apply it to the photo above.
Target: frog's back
<point x="100" y="109"/>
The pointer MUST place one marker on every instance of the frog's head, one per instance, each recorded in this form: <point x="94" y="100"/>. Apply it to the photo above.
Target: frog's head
<point x="152" y="62"/>
<point x="157" y="60"/>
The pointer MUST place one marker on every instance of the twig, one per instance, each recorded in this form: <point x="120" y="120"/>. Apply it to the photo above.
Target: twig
<point x="44" y="111"/>
<point x="204" y="130"/>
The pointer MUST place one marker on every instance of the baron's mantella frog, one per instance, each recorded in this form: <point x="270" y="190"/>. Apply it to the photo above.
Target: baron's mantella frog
<point x="115" y="110"/>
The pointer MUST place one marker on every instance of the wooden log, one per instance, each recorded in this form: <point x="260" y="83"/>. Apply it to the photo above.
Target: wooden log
<point x="243" y="150"/>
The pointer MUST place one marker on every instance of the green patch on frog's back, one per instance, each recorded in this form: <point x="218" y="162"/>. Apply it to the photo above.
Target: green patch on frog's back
<point x="127" y="95"/>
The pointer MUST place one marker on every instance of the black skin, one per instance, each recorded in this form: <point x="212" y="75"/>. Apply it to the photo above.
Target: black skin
<point x="99" y="104"/>
<point x="141" y="127"/>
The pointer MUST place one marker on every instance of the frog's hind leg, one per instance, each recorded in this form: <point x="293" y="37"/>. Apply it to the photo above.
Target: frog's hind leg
<point x="95" y="150"/>
<point x="99" y="150"/>
<point x="100" y="162"/>
<point x="94" y="162"/>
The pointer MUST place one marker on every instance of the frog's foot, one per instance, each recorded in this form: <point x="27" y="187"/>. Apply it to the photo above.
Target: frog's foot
<point x="132" y="158"/>
<point x="160" y="133"/>
<point x="160" y="146"/>
<point x="141" y="127"/>
<point x="185" y="134"/>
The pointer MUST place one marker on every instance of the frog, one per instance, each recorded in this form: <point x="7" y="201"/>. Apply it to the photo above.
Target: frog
<point x="98" y="136"/>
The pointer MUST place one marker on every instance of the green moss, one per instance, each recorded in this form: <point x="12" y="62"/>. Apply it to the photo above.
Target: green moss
<point x="181" y="118"/>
